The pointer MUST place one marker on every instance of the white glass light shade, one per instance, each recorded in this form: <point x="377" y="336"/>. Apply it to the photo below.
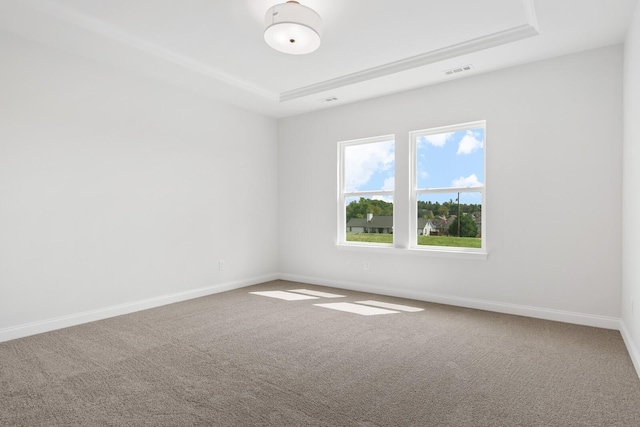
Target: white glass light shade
<point x="292" y="28"/>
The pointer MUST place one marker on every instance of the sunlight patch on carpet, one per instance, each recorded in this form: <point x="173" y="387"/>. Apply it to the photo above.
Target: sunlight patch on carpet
<point x="316" y="293"/>
<point x="357" y="309"/>
<point x="288" y="296"/>
<point x="390" y="306"/>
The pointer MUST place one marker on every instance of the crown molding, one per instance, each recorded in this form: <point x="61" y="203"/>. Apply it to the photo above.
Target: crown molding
<point x="496" y="39"/>
<point x="519" y="32"/>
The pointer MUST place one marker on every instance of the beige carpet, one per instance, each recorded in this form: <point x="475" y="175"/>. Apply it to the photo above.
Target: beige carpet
<point x="239" y="359"/>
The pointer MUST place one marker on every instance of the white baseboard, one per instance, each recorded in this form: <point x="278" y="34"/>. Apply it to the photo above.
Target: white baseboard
<point x="631" y="347"/>
<point x="47" y="325"/>
<point x="500" y="307"/>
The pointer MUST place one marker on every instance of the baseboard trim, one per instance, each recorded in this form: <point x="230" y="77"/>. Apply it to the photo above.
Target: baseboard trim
<point x="500" y="307"/>
<point x="631" y="347"/>
<point x="20" y="331"/>
<point x="47" y="325"/>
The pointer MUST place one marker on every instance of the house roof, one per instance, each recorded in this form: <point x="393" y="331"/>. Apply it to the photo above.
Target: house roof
<point x="380" y="222"/>
<point x="376" y="222"/>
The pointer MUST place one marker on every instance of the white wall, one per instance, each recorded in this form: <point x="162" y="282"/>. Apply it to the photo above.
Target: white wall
<point x="115" y="189"/>
<point x="631" y="191"/>
<point x="554" y="132"/>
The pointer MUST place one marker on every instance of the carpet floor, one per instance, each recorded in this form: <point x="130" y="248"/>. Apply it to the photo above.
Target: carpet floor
<point x="243" y="359"/>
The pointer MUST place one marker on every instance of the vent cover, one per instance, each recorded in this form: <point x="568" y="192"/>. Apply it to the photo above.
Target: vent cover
<point x="458" y="70"/>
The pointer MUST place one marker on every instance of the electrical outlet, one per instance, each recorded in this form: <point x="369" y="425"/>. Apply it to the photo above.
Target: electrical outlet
<point x="366" y="265"/>
<point x="221" y="265"/>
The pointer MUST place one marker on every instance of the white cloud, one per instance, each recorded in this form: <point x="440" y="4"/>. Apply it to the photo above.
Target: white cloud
<point x="437" y="140"/>
<point x="389" y="183"/>
<point x="363" y="161"/>
<point x="469" y="143"/>
<point x="470" y="181"/>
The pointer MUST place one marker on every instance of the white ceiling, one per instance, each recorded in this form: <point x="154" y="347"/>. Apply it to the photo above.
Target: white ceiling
<point x="369" y="47"/>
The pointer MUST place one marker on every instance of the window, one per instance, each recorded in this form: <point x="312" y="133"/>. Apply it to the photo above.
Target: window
<point x="366" y="189"/>
<point x="439" y="201"/>
<point x="448" y="191"/>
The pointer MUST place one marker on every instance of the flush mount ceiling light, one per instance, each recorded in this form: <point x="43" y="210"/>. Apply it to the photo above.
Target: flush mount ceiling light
<point x="292" y="28"/>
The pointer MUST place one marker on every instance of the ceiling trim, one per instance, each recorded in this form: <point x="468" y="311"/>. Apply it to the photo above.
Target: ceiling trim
<point x="529" y="29"/>
<point x="496" y="39"/>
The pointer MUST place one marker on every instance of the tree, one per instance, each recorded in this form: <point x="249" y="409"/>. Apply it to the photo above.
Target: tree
<point x="468" y="227"/>
<point x="362" y="207"/>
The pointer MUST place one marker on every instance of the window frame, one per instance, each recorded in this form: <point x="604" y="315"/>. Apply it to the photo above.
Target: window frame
<point x="415" y="191"/>
<point x="405" y="235"/>
<point x="343" y="195"/>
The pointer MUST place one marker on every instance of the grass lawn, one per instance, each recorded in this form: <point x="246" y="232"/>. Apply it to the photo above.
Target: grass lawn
<point x="373" y="238"/>
<point x="460" y="242"/>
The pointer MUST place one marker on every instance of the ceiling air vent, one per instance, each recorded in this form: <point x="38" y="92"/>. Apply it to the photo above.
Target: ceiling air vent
<point x="458" y="70"/>
<point x="329" y="99"/>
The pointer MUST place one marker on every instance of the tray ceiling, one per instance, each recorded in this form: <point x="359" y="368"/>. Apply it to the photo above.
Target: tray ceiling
<point x="369" y="47"/>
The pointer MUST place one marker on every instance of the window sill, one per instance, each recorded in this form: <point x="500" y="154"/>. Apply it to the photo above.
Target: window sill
<point x="436" y="252"/>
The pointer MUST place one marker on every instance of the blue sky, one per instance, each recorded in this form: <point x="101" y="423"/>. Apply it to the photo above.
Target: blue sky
<point x="454" y="159"/>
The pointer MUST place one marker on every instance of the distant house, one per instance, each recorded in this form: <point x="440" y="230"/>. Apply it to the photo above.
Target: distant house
<point x="371" y="224"/>
<point x="438" y="226"/>
<point x="425" y="227"/>
<point x="384" y="225"/>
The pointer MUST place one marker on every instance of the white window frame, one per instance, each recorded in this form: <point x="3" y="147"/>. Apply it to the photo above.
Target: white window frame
<point x="415" y="191"/>
<point x="343" y="195"/>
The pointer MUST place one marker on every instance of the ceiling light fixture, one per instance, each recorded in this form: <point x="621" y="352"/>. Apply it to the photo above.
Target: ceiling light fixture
<point x="292" y="28"/>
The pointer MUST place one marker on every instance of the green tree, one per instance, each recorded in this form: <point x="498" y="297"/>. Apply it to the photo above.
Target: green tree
<point x="443" y="211"/>
<point x="450" y="207"/>
<point x="468" y="227"/>
<point x="362" y="207"/>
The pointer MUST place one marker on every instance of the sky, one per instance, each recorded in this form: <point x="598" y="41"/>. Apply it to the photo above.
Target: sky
<point x="454" y="159"/>
<point x="370" y="166"/>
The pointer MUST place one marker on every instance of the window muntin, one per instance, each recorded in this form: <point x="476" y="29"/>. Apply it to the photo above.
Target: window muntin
<point x="367" y="181"/>
<point x="448" y="188"/>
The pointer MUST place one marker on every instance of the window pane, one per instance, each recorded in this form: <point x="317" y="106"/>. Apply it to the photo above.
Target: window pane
<point x="369" y="166"/>
<point x="454" y="159"/>
<point x="369" y="219"/>
<point x="443" y="221"/>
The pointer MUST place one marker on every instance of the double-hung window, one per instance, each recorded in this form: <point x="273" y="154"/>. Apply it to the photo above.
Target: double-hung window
<point x="441" y="190"/>
<point x="366" y="189"/>
<point x="448" y="188"/>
